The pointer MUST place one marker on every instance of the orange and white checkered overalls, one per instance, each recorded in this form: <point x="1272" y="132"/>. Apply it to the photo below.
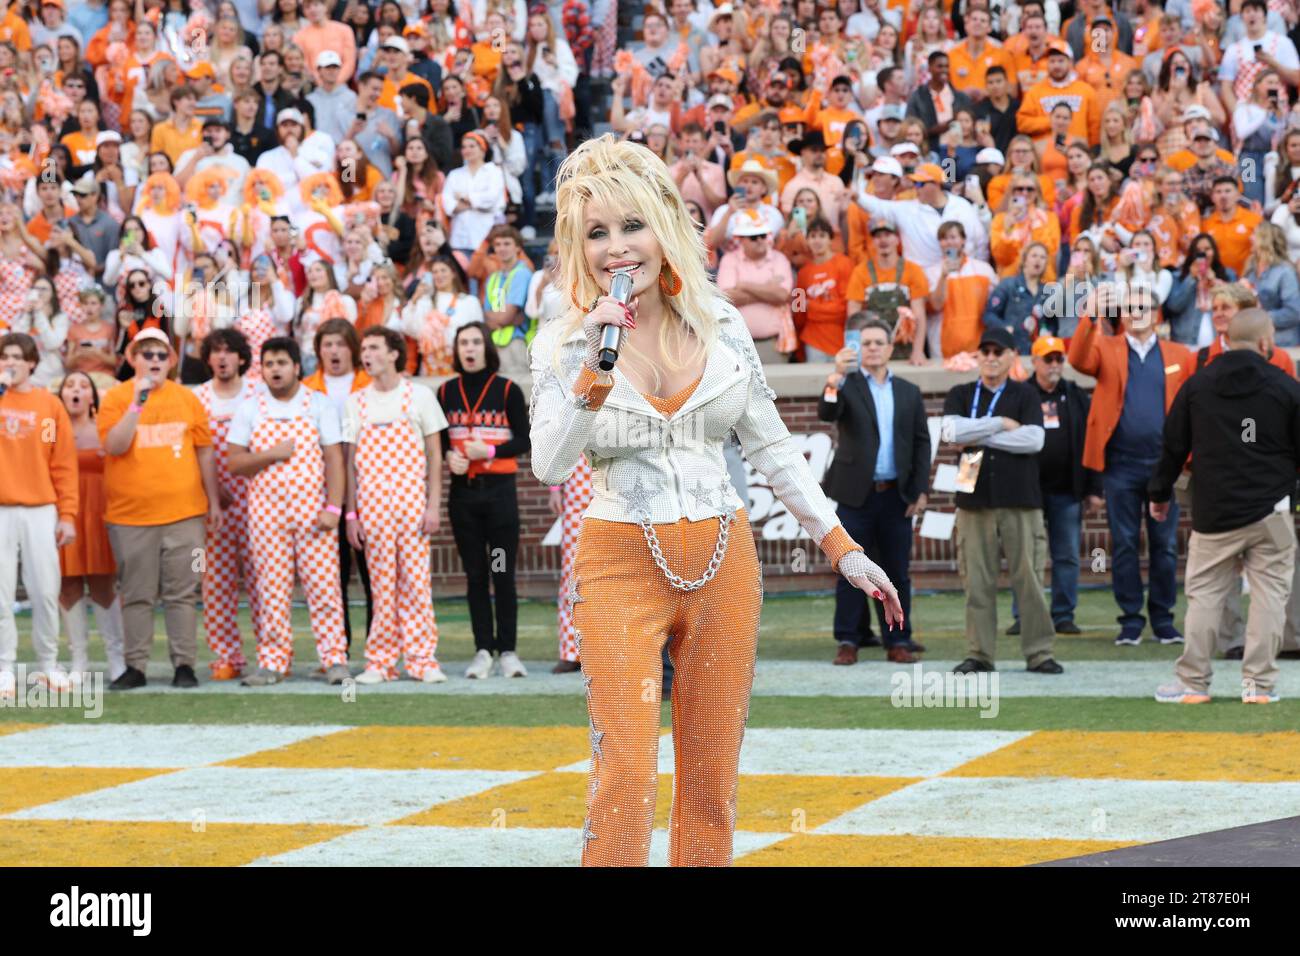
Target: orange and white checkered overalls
<point x="284" y="501"/>
<point x="228" y="560"/>
<point x="577" y="495"/>
<point x="391" y="472"/>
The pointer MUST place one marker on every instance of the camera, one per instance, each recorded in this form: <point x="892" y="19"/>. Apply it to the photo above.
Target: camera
<point x="719" y="127"/>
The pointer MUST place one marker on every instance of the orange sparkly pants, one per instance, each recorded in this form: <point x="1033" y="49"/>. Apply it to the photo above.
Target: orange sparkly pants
<point x="624" y="613"/>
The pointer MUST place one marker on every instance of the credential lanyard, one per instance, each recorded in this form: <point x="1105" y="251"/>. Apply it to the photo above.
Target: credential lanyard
<point x="975" y="403"/>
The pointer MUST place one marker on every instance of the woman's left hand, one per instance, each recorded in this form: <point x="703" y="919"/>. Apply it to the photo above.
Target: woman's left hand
<point x="885" y="594"/>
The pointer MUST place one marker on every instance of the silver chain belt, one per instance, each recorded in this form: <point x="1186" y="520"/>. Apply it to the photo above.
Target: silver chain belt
<point x="676" y="580"/>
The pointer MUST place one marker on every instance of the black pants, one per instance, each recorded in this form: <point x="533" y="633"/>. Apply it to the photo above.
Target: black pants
<point x="884" y="530"/>
<point x="484" y="515"/>
<point x="346" y="555"/>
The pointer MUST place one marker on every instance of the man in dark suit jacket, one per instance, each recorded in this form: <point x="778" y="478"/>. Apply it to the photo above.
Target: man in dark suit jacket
<point x="879" y="478"/>
<point x="921" y="104"/>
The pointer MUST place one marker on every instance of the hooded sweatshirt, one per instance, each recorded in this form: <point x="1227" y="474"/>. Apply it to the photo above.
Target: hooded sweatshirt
<point x="1239" y="420"/>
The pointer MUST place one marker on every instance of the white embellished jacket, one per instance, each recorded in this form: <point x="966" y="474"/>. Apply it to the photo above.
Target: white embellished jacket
<point x="644" y="464"/>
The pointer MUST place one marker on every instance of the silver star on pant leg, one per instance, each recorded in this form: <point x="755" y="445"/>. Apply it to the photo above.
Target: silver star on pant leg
<point x="587" y="832"/>
<point x="596" y="737"/>
<point x="586" y="683"/>
<point x="577" y="642"/>
<point x="638" y="497"/>
<point x="573" y="597"/>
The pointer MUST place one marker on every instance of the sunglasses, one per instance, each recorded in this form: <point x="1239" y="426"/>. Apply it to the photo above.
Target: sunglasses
<point x="152" y="356"/>
<point x="994" y="350"/>
<point x="140" y="284"/>
<point x="1024" y="189"/>
<point x="1054" y="358"/>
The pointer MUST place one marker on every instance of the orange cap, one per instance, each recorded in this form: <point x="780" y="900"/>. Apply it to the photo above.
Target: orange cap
<point x="201" y="69"/>
<point x="727" y="73"/>
<point x="927" y="173"/>
<point x="1047" y="344"/>
<point x="790" y="115"/>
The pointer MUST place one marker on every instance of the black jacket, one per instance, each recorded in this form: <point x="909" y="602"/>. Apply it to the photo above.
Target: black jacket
<point x="1084" y="481"/>
<point x="1239" y="420"/>
<point x="921" y="105"/>
<point x="849" y="478"/>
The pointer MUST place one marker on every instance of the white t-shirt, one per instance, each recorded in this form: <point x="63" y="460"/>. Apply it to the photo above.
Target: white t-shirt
<point x="248" y="416"/>
<point x="338" y="388"/>
<point x="425" y="413"/>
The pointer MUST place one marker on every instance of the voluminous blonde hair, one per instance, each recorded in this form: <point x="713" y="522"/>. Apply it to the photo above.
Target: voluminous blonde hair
<point x="1270" y="249"/>
<point x="622" y="175"/>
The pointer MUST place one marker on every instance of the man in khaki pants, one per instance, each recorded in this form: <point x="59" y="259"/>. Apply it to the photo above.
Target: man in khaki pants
<point x="1239" y="420"/>
<point x="999" y="425"/>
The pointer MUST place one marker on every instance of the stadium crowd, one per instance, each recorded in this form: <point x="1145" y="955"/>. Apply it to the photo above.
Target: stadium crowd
<point x="231" y="233"/>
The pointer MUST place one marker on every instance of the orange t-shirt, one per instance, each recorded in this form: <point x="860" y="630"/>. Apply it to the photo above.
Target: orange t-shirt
<point x="832" y="122"/>
<point x="918" y="287"/>
<point x="81" y="146"/>
<point x="969" y="73"/>
<point x="824" y="287"/>
<point x="13" y="29"/>
<point x="388" y="95"/>
<point x="1233" y="235"/>
<point x="1185" y="159"/>
<point x="157" y="481"/>
<point x="39" y="462"/>
<point x="40" y="227"/>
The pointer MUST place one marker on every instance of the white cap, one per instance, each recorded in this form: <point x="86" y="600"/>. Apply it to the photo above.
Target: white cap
<point x="397" y="43"/>
<point x="887" y="165"/>
<point x="721" y="99"/>
<point x="990" y="155"/>
<point x="289" y="114"/>
<point x="107" y="136"/>
<point x="1195" y="111"/>
<point x="328" y="58"/>
<point x="903" y="148"/>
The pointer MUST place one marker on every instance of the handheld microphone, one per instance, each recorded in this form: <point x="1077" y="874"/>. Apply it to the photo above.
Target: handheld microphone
<point x="621" y="290"/>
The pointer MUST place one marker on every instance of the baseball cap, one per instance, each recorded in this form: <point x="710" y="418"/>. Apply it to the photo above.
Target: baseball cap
<point x="86" y="185"/>
<point x="727" y="73"/>
<point x="990" y="154"/>
<point x="790" y="115"/>
<point x="1057" y="51"/>
<point x="891" y="112"/>
<point x="750" y="222"/>
<point x="1206" y="133"/>
<point x="328" y="58"/>
<point x="149" y="335"/>
<point x="721" y="99"/>
<point x="927" y="173"/>
<point x="289" y="115"/>
<point x="107" y="136"/>
<point x="1194" y="112"/>
<point x="397" y="43"/>
<point x="887" y="165"/>
<point x="883" y="225"/>
<point x="903" y="148"/>
<point x="1047" y="344"/>
<point x="1103" y="22"/>
<point x="996" y="335"/>
<point x="200" y="70"/>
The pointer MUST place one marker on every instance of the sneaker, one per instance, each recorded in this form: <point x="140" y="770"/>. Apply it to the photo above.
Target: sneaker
<point x="370" y="676"/>
<point x="566" y="667"/>
<point x="528" y="233"/>
<point x="263" y="677"/>
<point x="434" y="675"/>
<point x="1049" y="666"/>
<point x="336" y="673"/>
<point x="1169" y="635"/>
<point x="56" y="679"/>
<point x="512" y="666"/>
<point x="8" y="687"/>
<point x="184" y="677"/>
<point x="1014" y="629"/>
<point x="129" y="679"/>
<point x="1068" y="627"/>
<point x="224" y="670"/>
<point x="1177" y="693"/>
<point x="480" y="667"/>
<point x="1128" y="639"/>
<point x="1261" y="697"/>
<point x="971" y="666"/>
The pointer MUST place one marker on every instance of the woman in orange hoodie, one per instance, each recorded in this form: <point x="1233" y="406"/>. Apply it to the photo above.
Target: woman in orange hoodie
<point x="1023" y="217"/>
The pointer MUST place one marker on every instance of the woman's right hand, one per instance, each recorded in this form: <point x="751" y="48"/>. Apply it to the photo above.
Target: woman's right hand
<point x="608" y="311"/>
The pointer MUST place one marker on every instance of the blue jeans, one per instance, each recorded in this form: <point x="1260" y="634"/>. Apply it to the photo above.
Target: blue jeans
<point x="1062" y="513"/>
<point x="535" y="148"/>
<point x="1250" y="167"/>
<point x="883" y="529"/>
<point x="1125" y="483"/>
